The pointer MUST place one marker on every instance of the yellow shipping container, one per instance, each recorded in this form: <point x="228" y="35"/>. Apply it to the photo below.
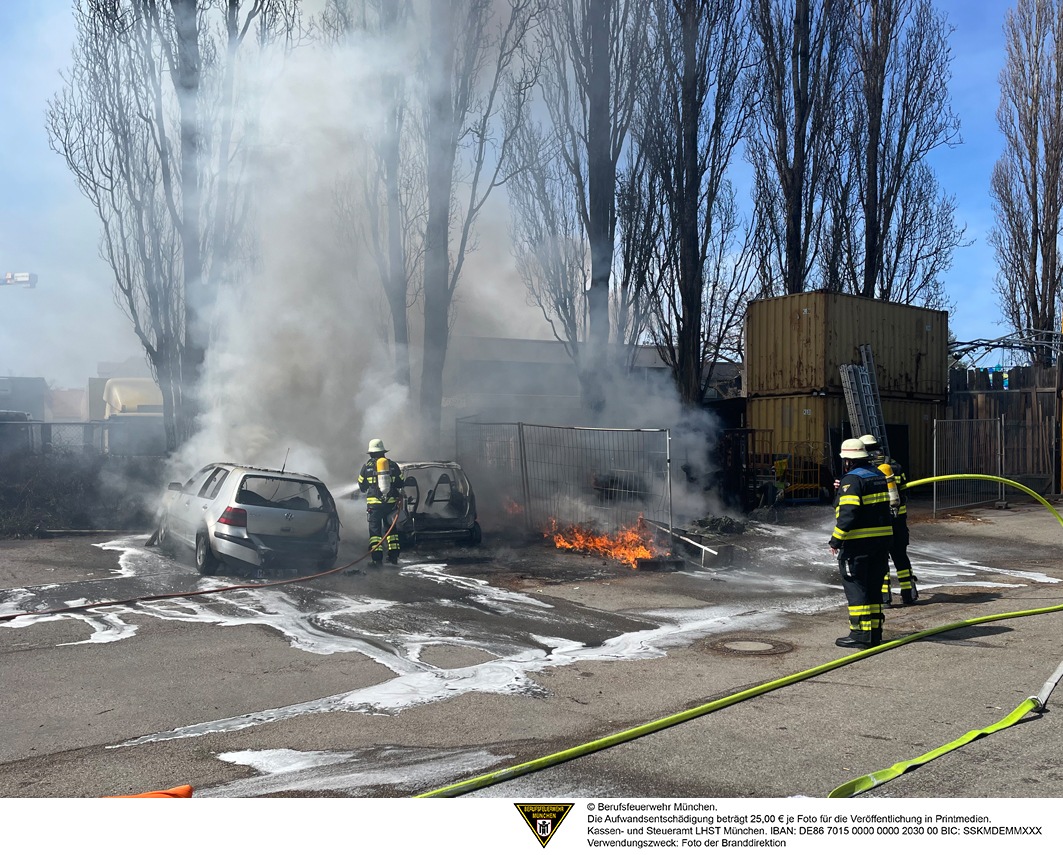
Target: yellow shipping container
<point x="812" y="425"/>
<point x="794" y="345"/>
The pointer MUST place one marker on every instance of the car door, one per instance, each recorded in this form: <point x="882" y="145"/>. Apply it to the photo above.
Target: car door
<point x="186" y="510"/>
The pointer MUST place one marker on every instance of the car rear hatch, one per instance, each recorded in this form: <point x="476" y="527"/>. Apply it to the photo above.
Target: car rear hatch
<point x="285" y="514"/>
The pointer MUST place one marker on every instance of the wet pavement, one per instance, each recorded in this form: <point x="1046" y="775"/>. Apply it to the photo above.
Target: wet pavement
<point x="466" y="660"/>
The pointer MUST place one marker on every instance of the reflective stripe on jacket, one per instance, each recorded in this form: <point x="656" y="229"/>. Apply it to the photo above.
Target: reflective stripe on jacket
<point x="367" y="483"/>
<point x="899" y="476"/>
<point x="862" y="519"/>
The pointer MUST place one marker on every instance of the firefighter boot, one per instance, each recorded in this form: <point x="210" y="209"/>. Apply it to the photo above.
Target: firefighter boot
<point x="393" y="557"/>
<point x="876" y="637"/>
<point x="910" y="595"/>
<point x="853" y="641"/>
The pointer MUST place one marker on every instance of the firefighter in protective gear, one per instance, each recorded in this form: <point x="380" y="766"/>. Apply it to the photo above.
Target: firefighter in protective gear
<point x="380" y="479"/>
<point x="899" y="547"/>
<point x="861" y="542"/>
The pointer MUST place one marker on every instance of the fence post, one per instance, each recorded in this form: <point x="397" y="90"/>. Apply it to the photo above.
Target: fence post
<point x="935" y="484"/>
<point x="668" y="467"/>
<point x="1000" y="460"/>
<point x="522" y="456"/>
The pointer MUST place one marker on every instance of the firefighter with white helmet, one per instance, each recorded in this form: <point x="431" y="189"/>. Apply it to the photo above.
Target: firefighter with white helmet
<point x="380" y="479"/>
<point x="861" y="542"/>
<point x="899" y="547"/>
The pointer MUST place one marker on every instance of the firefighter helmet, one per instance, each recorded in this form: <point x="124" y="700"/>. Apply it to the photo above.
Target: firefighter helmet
<point x="869" y="441"/>
<point x="376" y="446"/>
<point x="853" y="449"/>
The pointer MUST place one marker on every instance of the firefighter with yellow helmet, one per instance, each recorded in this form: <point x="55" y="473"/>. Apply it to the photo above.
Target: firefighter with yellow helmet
<point x="861" y="542"/>
<point x="380" y="479"/>
<point x="899" y="546"/>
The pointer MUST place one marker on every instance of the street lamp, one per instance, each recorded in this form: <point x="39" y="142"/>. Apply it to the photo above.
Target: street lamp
<point x="26" y="280"/>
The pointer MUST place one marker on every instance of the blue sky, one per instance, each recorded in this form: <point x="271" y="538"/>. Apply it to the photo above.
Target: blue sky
<point x="61" y="329"/>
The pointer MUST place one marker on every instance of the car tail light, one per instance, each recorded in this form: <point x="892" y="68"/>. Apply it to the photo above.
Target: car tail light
<point x="233" y="516"/>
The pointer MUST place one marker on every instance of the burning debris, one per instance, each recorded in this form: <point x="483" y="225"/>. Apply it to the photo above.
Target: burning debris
<point x="628" y="545"/>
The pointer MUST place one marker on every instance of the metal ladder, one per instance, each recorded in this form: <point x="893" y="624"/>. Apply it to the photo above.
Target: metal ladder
<point x="862" y="399"/>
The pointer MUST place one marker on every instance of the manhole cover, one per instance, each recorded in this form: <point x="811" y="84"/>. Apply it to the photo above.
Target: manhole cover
<point x="750" y="646"/>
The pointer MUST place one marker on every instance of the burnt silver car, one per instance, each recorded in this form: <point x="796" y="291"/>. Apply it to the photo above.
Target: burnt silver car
<point x="250" y="517"/>
<point x="439" y="504"/>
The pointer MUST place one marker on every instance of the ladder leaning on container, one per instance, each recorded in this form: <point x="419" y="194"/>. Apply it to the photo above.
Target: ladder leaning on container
<point x="862" y="398"/>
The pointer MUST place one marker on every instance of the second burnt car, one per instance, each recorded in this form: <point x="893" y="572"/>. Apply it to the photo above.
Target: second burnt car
<point x="251" y="517"/>
<point x="439" y="504"/>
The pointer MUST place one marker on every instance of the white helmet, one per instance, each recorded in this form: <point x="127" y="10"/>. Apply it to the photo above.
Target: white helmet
<point x="869" y="441"/>
<point x="376" y="446"/>
<point x="853" y="449"/>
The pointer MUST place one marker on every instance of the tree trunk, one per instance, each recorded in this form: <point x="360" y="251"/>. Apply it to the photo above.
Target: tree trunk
<point x="440" y="140"/>
<point x="601" y="190"/>
<point x="197" y="303"/>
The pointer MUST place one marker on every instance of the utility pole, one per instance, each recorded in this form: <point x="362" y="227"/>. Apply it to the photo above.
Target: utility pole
<point x="26" y="280"/>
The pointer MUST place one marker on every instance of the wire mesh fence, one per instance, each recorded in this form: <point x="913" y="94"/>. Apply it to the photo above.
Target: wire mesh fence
<point x="968" y="447"/>
<point x="544" y="475"/>
<point x="143" y="437"/>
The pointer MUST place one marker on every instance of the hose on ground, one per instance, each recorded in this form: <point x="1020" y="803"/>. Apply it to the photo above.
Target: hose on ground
<point x="497" y="777"/>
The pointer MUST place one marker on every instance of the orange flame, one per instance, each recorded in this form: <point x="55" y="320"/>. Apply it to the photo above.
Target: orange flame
<point x="627" y="545"/>
<point x="512" y="508"/>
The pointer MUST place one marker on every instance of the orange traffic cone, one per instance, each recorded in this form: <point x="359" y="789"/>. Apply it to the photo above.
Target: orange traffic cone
<point x="182" y="792"/>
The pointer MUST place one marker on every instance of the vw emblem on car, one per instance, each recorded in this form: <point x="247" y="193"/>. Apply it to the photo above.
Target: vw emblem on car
<point x="289" y="516"/>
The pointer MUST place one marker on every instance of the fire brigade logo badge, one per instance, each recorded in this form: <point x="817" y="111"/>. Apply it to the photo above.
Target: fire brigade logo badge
<point x="544" y="819"/>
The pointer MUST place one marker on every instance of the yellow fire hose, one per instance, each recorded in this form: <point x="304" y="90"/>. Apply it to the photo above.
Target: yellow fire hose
<point x="859" y="785"/>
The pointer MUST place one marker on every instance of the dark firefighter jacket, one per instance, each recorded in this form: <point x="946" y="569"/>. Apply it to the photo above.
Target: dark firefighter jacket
<point x="863" y="523"/>
<point x="367" y="483"/>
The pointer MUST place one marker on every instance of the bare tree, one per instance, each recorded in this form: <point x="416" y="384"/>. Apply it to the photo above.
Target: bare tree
<point x="1027" y="187"/>
<point x="148" y="122"/>
<point x="474" y="63"/>
<point x="593" y="54"/>
<point x="381" y="206"/>
<point x="695" y="112"/>
<point x="902" y="113"/>
<point x="800" y="75"/>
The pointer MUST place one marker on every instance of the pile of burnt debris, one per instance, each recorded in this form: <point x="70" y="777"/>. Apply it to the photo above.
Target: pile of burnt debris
<point x="717" y="526"/>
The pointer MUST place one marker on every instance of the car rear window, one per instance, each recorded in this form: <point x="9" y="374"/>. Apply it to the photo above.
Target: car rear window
<point x="286" y="493"/>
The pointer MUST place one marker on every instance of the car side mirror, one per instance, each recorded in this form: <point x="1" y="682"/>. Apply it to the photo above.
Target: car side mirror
<point x="174" y="485"/>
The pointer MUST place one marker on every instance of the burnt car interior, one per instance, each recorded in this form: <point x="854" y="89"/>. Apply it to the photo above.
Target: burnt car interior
<point x="282" y="493"/>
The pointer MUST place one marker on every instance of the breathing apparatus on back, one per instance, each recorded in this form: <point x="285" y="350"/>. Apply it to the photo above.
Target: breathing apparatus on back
<point x="383" y="466"/>
<point x="872" y="446"/>
<point x="383" y="475"/>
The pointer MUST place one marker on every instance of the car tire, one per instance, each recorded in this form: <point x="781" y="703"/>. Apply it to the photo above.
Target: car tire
<point x="327" y="563"/>
<point x="206" y="561"/>
<point x="476" y="535"/>
<point x="164" y="540"/>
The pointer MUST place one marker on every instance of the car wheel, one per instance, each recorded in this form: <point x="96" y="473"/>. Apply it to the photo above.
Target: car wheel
<point x="164" y="540"/>
<point x="475" y="535"/>
<point x="206" y="560"/>
<point x="327" y="563"/>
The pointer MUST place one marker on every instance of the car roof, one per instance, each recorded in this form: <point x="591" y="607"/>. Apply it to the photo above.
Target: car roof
<point x="258" y="470"/>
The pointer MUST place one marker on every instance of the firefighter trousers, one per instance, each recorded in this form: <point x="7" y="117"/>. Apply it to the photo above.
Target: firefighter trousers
<point x="380" y="516"/>
<point x="862" y="579"/>
<point x="902" y="563"/>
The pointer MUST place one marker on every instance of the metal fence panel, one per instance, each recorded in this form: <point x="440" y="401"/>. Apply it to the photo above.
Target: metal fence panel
<point x="601" y="477"/>
<point x="967" y="447"/>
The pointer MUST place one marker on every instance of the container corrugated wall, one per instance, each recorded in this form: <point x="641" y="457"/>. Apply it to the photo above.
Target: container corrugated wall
<point x="794" y="419"/>
<point x="794" y="345"/>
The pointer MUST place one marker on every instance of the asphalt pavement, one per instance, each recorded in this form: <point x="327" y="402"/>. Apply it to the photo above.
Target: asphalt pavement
<point x="468" y="662"/>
